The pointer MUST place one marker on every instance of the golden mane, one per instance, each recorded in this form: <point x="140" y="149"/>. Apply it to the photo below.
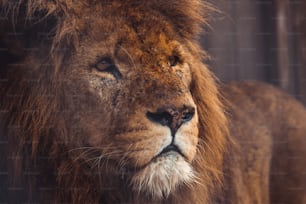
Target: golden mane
<point x="26" y="13"/>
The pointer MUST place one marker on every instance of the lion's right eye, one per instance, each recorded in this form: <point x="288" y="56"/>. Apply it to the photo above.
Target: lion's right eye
<point x="107" y="65"/>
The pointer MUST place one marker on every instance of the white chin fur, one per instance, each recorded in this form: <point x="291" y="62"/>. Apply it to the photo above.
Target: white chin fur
<point x="162" y="176"/>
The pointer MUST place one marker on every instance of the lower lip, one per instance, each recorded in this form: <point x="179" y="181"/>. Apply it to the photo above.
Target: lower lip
<point x="174" y="154"/>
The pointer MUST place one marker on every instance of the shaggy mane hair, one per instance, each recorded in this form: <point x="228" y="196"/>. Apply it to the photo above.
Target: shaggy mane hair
<point x="30" y="105"/>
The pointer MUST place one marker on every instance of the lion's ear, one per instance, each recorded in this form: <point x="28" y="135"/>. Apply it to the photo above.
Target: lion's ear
<point x="186" y="15"/>
<point x="39" y="20"/>
<point x="19" y="18"/>
<point x="25" y="13"/>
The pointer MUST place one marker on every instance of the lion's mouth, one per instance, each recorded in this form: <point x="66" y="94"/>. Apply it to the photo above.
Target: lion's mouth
<point x="170" y="149"/>
<point x="167" y="151"/>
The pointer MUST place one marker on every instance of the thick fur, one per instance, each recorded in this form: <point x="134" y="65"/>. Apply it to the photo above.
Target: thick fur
<point x="72" y="133"/>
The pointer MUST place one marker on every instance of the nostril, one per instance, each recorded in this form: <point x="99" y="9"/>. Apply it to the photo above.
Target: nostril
<point x="162" y="118"/>
<point x="172" y="117"/>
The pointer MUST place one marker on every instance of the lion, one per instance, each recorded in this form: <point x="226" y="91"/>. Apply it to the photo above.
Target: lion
<point x="110" y="102"/>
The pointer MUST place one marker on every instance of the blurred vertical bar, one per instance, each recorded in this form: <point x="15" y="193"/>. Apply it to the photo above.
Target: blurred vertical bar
<point x="299" y="16"/>
<point x="282" y="43"/>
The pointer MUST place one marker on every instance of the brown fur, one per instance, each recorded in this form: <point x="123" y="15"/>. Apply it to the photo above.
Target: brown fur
<point x="72" y="134"/>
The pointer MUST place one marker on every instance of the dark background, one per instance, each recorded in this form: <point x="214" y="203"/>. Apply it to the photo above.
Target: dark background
<point x="261" y="40"/>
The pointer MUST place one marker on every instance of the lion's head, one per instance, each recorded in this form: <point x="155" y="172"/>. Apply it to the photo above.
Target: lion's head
<point x="115" y="92"/>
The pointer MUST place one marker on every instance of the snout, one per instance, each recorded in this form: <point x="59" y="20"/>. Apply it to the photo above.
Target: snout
<point x="172" y="116"/>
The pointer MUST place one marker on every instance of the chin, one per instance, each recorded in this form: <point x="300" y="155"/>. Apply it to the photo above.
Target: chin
<point x="163" y="175"/>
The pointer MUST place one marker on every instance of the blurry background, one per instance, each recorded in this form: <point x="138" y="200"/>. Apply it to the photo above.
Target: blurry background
<point x="260" y="40"/>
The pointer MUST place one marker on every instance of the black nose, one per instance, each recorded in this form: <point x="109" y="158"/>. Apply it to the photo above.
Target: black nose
<point x="172" y="117"/>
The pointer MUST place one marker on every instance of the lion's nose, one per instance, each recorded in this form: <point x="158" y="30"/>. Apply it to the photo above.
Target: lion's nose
<point x="172" y="117"/>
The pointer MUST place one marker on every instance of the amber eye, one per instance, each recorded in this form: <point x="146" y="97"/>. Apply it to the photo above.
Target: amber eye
<point x="173" y="60"/>
<point x="107" y="65"/>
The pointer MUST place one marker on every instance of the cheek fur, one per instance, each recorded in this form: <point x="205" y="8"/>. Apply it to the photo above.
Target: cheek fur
<point x="187" y="138"/>
<point x="144" y="145"/>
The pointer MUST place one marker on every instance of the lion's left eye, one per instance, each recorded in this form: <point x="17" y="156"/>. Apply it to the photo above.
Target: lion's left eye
<point x="173" y="60"/>
<point x="107" y="65"/>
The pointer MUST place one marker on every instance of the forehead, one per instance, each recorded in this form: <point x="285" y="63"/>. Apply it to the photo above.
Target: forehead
<point x="134" y="26"/>
<point x="144" y="37"/>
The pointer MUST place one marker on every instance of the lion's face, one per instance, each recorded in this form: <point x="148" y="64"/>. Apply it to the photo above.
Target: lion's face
<point x="127" y="94"/>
